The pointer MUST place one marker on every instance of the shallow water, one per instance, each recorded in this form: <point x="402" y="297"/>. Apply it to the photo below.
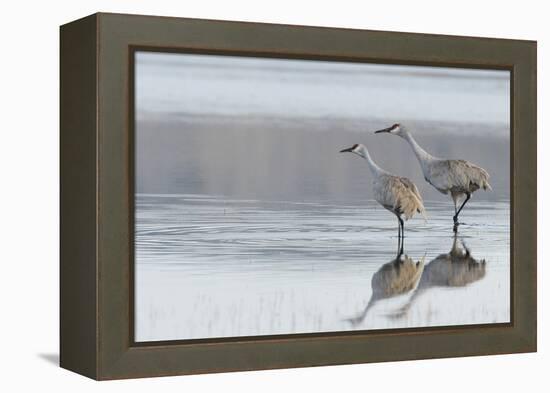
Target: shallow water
<point x="211" y="267"/>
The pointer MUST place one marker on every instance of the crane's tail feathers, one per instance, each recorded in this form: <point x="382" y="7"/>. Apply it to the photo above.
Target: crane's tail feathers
<point x="420" y="208"/>
<point x="424" y="215"/>
<point x="483" y="176"/>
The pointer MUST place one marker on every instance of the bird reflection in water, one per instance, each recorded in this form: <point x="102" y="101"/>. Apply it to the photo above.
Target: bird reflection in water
<point x="458" y="268"/>
<point x="394" y="278"/>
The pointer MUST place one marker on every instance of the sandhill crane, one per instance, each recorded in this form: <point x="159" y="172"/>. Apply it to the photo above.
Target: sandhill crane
<point x="394" y="278"/>
<point x="457" y="268"/>
<point x="459" y="177"/>
<point x="397" y="194"/>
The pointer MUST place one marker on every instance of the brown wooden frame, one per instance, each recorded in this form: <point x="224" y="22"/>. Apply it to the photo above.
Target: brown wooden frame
<point x="96" y="268"/>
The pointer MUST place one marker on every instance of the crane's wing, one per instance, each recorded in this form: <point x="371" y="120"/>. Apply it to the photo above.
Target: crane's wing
<point x="412" y="187"/>
<point x="411" y="200"/>
<point x="400" y="194"/>
<point x="460" y="174"/>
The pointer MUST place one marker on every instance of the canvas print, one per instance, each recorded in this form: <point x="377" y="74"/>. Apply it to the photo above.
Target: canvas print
<point x="284" y="196"/>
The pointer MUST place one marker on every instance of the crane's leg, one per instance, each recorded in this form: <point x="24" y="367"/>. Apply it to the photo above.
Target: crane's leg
<point x="402" y="226"/>
<point x="455" y="218"/>
<point x="398" y="235"/>
<point x="455" y="197"/>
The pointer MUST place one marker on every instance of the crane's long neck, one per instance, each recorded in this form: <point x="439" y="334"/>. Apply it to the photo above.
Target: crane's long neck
<point x="375" y="169"/>
<point x="422" y="155"/>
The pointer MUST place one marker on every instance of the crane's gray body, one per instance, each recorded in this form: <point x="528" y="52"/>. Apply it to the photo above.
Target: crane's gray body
<point x="455" y="176"/>
<point x="397" y="194"/>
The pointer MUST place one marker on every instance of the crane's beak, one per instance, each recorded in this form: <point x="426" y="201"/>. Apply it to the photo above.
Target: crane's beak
<point x="348" y="150"/>
<point x="383" y="130"/>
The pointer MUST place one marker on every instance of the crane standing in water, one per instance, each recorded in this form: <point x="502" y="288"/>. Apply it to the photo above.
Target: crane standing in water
<point x="459" y="177"/>
<point x="397" y="194"/>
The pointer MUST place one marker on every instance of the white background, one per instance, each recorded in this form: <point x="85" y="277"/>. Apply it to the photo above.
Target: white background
<point x="29" y="193"/>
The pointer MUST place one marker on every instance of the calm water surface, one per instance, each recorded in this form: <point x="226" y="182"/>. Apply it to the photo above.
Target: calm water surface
<point x="211" y="267"/>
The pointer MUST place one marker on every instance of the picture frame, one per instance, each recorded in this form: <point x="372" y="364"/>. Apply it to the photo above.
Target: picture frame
<point x="97" y="196"/>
